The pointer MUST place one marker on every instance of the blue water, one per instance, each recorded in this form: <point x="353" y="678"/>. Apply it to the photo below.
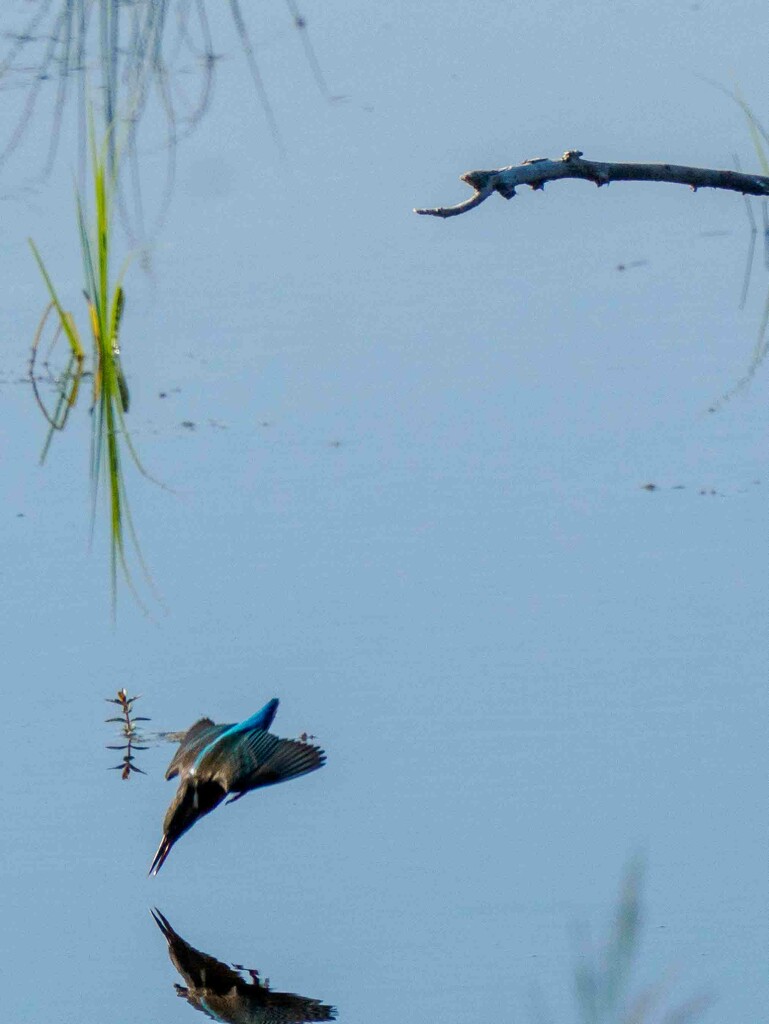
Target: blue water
<point x="411" y="506"/>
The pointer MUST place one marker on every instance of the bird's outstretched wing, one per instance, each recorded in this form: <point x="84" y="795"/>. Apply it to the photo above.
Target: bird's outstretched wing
<point x="260" y="759"/>
<point x="275" y="761"/>
<point x="195" y="739"/>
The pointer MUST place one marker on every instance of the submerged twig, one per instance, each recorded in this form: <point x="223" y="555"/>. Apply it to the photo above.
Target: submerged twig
<point x="536" y="173"/>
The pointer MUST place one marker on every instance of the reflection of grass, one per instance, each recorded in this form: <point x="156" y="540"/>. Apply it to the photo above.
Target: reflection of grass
<point x="758" y="133"/>
<point x="105" y="298"/>
<point x="136" y="47"/>
<point x="68" y="382"/>
<point x="760" y="139"/>
<point x="603" y="981"/>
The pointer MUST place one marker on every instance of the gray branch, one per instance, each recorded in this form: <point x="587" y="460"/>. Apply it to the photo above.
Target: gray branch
<point x="535" y="173"/>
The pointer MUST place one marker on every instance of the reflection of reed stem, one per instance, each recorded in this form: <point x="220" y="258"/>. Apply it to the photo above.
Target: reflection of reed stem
<point x="129" y="731"/>
<point x="603" y="978"/>
<point x="133" y="48"/>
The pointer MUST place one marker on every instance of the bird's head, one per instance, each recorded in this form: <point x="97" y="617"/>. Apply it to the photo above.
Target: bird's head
<point x="193" y="799"/>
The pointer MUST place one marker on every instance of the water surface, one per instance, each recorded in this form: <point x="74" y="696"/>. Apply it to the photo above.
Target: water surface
<point x="411" y="507"/>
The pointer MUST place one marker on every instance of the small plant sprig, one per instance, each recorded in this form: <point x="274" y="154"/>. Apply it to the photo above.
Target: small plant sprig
<point x="129" y="731"/>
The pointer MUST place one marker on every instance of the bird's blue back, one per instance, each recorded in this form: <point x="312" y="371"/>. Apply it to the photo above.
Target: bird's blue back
<point x="259" y="722"/>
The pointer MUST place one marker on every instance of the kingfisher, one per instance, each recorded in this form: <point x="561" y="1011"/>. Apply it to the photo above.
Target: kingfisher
<point x="215" y="761"/>
<point x="237" y="995"/>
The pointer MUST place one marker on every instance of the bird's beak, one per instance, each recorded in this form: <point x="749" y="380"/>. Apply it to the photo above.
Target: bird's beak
<point x="162" y="923"/>
<point x="163" y="850"/>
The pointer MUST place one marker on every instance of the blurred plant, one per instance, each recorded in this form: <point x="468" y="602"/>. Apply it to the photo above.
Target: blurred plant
<point x="105" y="299"/>
<point x="602" y="980"/>
<point x="130" y="733"/>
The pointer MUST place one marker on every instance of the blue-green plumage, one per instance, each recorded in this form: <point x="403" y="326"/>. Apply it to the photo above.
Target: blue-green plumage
<point x="216" y="761"/>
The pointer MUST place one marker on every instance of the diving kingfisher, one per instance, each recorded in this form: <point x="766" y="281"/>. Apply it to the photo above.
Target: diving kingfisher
<point x="215" y="761"/>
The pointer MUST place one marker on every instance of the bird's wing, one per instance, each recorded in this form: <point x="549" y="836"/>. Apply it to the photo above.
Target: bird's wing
<point x="195" y="739"/>
<point x="285" y="1008"/>
<point x="263" y="759"/>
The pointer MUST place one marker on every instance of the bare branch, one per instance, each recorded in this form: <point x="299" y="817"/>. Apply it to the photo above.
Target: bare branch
<point x="535" y="173"/>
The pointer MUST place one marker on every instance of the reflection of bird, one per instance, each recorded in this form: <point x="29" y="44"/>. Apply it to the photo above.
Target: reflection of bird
<point x="222" y="994"/>
<point x="214" y="761"/>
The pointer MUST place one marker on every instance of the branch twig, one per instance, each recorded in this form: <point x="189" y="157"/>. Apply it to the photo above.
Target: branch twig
<point x="535" y="173"/>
